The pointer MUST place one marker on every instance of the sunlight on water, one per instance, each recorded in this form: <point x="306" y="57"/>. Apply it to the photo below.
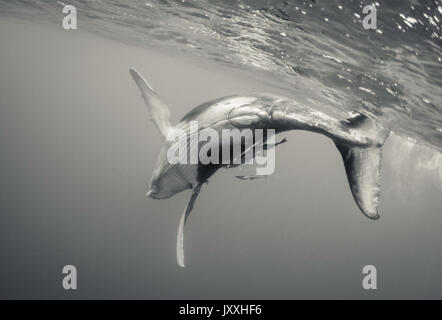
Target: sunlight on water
<point x="317" y="51"/>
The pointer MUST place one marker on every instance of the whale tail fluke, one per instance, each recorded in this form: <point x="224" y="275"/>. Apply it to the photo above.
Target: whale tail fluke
<point x="363" y="163"/>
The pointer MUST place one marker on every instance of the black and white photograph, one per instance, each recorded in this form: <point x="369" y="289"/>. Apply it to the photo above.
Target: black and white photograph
<point x="240" y="150"/>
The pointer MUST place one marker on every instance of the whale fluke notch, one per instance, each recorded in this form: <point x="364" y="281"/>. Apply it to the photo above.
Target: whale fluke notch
<point x="159" y="111"/>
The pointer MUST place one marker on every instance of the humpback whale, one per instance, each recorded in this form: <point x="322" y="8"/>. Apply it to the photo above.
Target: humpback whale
<point x="358" y="138"/>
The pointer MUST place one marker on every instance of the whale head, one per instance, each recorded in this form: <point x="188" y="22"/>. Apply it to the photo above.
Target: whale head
<point x="169" y="179"/>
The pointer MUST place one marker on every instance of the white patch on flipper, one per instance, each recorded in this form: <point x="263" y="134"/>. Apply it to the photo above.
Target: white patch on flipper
<point x="184" y="217"/>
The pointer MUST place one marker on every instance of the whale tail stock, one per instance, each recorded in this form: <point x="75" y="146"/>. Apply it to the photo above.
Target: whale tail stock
<point x="363" y="163"/>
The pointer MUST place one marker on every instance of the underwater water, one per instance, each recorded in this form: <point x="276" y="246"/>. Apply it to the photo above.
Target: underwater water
<point x="78" y="149"/>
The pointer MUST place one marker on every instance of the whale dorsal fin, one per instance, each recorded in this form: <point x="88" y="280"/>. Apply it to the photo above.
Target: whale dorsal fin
<point x="159" y="111"/>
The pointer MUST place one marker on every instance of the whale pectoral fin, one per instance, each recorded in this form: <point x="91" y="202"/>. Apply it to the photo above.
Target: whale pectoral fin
<point x="184" y="217"/>
<point x="363" y="168"/>
<point x="159" y="111"/>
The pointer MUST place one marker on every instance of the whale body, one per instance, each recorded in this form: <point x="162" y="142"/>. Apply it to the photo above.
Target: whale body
<point x="358" y="138"/>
